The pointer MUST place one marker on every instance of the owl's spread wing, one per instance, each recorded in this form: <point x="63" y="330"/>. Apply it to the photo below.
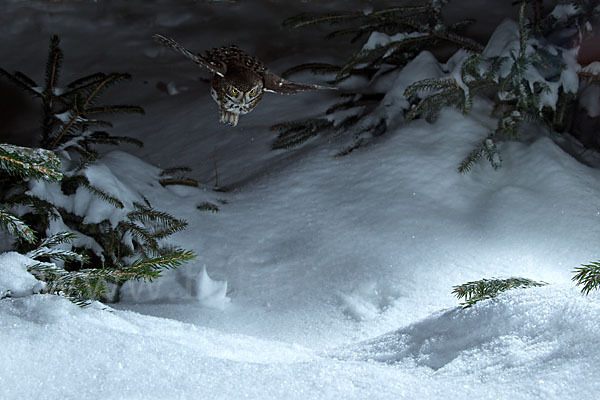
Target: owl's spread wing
<point x="276" y="84"/>
<point x="218" y="69"/>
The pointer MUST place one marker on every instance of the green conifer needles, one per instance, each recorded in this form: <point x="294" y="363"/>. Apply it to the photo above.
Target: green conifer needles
<point x="294" y="133"/>
<point x="25" y="162"/>
<point x="514" y="81"/>
<point x="448" y="92"/>
<point x="588" y="276"/>
<point x="97" y="256"/>
<point x="411" y="29"/>
<point x="71" y="112"/>
<point x="16" y="227"/>
<point x="473" y="292"/>
<point x="395" y="35"/>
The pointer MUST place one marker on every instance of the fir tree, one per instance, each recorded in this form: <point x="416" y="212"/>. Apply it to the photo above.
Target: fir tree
<point x="408" y="31"/>
<point x="70" y="114"/>
<point x="516" y="94"/>
<point x="131" y="248"/>
<point x="473" y="292"/>
<point x="413" y="28"/>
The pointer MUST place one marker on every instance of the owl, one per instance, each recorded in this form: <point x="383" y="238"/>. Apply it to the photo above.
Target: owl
<point x="238" y="79"/>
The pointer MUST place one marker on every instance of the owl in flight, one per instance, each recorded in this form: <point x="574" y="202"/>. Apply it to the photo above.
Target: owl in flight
<point x="238" y="79"/>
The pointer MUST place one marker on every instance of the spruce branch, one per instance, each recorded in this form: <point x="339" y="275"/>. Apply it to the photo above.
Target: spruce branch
<point x="171" y="171"/>
<point x="58" y="238"/>
<point x="81" y="287"/>
<point x="16" y="227"/>
<point x="53" y="64"/>
<point x="206" y="206"/>
<point x="101" y="137"/>
<point x="147" y="214"/>
<point x="70" y="115"/>
<point x="171" y="228"/>
<point x="21" y="81"/>
<point x="70" y="185"/>
<point x="56" y="254"/>
<point x="473" y="292"/>
<point x="47" y="248"/>
<point x="150" y="268"/>
<point x="588" y="276"/>
<point x="166" y="261"/>
<point x="94" y="91"/>
<point x="430" y="84"/>
<point x="114" y="109"/>
<point x="30" y="163"/>
<point x="139" y="233"/>
<point x="486" y="149"/>
<point x="178" y="181"/>
<point x="294" y="133"/>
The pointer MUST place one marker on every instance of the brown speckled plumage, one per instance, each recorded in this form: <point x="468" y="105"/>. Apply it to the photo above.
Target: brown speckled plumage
<point x="239" y="80"/>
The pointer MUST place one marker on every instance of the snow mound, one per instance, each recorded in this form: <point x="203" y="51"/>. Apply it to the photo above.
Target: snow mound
<point x="146" y="357"/>
<point x="115" y="173"/>
<point x="521" y="330"/>
<point x="209" y="293"/>
<point x="542" y="338"/>
<point x="15" y="281"/>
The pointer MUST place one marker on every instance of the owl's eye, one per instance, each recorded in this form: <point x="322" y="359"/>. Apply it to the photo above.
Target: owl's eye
<point x="234" y="91"/>
<point x="253" y="92"/>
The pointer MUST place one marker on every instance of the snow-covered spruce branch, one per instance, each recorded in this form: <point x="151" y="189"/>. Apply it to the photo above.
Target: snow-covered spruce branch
<point x="473" y="292"/>
<point x="56" y="254"/>
<point x="29" y="163"/>
<point x="106" y="251"/>
<point x="150" y="268"/>
<point x="71" y="183"/>
<point x="89" y="284"/>
<point x="520" y="81"/>
<point x="26" y="162"/>
<point x="396" y="36"/>
<point x="487" y="149"/>
<point x="80" y="287"/>
<point x="447" y="93"/>
<point x="16" y="227"/>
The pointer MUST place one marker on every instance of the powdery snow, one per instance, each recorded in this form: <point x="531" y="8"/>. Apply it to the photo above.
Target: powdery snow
<point x="15" y="281"/>
<point x="528" y="344"/>
<point x="319" y="277"/>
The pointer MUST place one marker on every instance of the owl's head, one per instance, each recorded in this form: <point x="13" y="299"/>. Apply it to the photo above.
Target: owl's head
<point x="242" y="88"/>
<point x="243" y="96"/>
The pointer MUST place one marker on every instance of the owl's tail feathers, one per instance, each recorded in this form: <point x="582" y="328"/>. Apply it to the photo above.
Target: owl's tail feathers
<point x="201" y="61"/>
<point x="277" y="84"/>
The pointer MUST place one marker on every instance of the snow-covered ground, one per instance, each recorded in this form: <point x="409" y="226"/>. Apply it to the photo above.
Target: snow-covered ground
<point x="319" y="277"/>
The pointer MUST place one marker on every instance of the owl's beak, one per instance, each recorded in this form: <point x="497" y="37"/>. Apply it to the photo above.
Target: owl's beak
<point x="243" y="102"/>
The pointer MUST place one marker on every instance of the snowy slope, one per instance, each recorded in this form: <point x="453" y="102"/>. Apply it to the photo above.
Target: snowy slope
<point x="530" y="344"/>
<point x="319" y="277"/>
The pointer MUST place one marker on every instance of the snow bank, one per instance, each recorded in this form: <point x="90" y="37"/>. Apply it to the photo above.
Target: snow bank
<point x="526" y="344"/>
<point x="524" y="329"/>
<point x="15" y="281"/>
